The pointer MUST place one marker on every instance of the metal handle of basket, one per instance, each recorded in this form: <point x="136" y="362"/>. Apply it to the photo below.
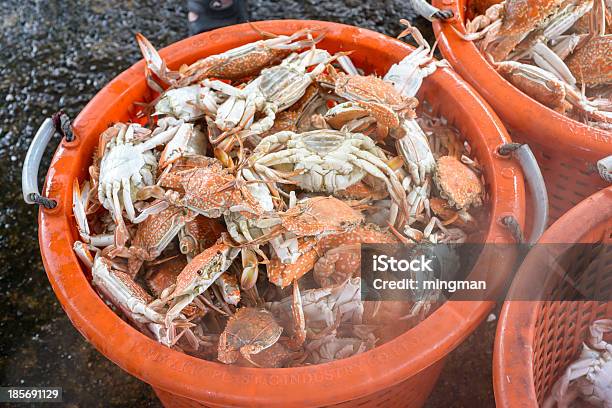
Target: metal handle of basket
<point x="29" y="172"/>
<point x="535" y="183"/>
<point x="426" y="10"/>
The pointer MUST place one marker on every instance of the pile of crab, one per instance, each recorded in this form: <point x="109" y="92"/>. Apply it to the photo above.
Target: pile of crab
<point x="258" y="168"/>
<point x="559" y="52"/>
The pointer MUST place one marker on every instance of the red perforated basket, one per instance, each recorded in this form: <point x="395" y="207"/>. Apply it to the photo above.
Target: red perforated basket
<point x="567" y="151"/>
<point x="401" y="372"/>
<point x="536" y="341"/>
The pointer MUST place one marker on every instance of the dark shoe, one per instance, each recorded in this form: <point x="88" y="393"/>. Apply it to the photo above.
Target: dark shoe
<point x="206" y="15"/>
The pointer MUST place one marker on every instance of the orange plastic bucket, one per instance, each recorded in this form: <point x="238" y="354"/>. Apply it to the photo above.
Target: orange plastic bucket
<point x="567" y="151"/>
<point x="537" y="340"/>
<point x="401" y="372"/>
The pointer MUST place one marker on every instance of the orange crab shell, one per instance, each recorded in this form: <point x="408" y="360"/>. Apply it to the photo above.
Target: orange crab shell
<point x="337" y="265"/>
<point x="549" y="93"/>
<point x="153" y="229"/>
<point x="234" y="68"/>
<point x="368" y="87"/>
<point x="164" y="274"/>
<point x="367" y="234"/>
<point x="249" y="331"/>
<point x="319" y="215"/>
<point x="207" y="184"/>
<point x="283" y="275"/>
<point x="361" y="190"/>
<point x="205" y="230"/>
<point x="441" y="208"/>
<point x="591" y="64"/>
<point x="520" y="17"/>
<point x="379" y="97"/>
<point x="208" y="257"/>
<point x="458" y="183"/>
<point x="349" y="263"/>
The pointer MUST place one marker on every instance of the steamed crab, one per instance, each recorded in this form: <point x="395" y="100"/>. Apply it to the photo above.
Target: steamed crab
<point x="127" y="165"/>
<point x="202" y="185"/>
<point x="193" y="280"/>
<point x="377" y="97"/>
<point x="252" y="330"/>
<point x="239" y="62"/>
<point x="135" y="303"/>
<point x="458" y="183"/>
<point x="325" y="161"/>
<point x="548" y="33"/>
<point x="277" y="187"/>
<point x="248" y="332"/>
<point x="274" y="90"/>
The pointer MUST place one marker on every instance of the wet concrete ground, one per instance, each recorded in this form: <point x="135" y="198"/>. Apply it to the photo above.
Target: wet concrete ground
<point x="58" y="54"/>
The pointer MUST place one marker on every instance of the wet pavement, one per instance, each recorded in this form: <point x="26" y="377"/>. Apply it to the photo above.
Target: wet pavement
<point x="58" y="54"/>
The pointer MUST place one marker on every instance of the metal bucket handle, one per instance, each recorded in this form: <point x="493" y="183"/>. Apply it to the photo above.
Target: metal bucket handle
<point x="29" y="173"/>
<point x="536" y="184"/>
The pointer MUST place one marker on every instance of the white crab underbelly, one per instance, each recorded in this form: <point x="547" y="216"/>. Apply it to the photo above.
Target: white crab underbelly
<point x="122" y="162"/>
<point x="328" y="177"/>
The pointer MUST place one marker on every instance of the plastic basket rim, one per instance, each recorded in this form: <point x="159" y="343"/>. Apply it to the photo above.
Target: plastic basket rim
<point x="83" y="305"/>
<point x="514" y="340"/>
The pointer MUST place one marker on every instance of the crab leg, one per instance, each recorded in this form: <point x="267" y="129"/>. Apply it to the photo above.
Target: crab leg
<point x="83" y="253"/>
<point x="546" y="58"/>
<point x="154" y="61"/>
<point x="122" y="291"/>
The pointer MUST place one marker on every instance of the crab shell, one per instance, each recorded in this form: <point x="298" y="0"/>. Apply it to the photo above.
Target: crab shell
<point x="379" y="97"/>
<point x="344" y="112"/>
<point x="283" y="275"/>
<point x="275" y="356"/>
<point x="520" y="17"/>
<point x="164" y="275"/>
<point x="591" y="64"/>
<point x="361" y="190"/>
<point x="204" y="268"/>
<point x="458" y="183"/>
<point x="342" y="253"/>
<point x="156" y="231"/>
<point x="541" y="85"/>
<point x="248" y="332"/>
<point x="210" y="189"/>
<point x="230" y="290"/>
<point x="200" y="233"/>
<point x="320" y="216"/>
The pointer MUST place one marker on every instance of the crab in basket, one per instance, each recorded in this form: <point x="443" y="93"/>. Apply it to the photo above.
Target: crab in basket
<point x="556" y="51"/>
<point x="590" y="377"/>
<point x="230" y="226"/>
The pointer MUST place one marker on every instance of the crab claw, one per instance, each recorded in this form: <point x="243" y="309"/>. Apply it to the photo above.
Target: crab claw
<point x="250" y="269"/>
<point x="154" y="63"/>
